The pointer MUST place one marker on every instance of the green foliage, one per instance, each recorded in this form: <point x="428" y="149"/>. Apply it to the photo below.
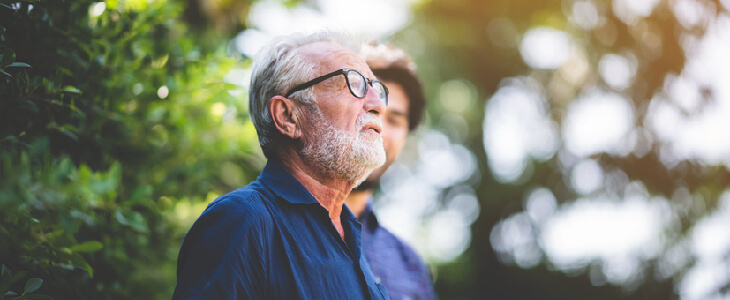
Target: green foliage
<point x="42" y="210"/>
<point x="67" y="223"/>
<point x="31" y="285"/>
<point x="114" y="116"/>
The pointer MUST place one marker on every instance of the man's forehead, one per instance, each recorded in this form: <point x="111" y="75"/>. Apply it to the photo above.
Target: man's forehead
<point x="332" y="56"/>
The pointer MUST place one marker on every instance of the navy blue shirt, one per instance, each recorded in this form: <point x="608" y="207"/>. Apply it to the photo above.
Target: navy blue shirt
<point x="394" y="263"/>
<point x="273" y="240"/>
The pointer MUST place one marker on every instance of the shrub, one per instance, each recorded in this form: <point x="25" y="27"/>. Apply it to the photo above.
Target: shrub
<point x="113" y="115"/>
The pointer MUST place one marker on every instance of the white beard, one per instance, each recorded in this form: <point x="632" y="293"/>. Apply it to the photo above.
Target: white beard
<point x="340" y="154"/>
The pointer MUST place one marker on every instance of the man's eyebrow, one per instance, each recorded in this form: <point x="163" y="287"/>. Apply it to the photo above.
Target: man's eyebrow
<point x="398" y="112"/>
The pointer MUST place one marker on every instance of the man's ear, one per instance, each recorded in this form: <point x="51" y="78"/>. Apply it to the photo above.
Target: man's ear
<point x="285" y="117"/>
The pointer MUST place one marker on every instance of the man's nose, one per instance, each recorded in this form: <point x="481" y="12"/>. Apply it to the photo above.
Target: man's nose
<point x="373" y="103"/>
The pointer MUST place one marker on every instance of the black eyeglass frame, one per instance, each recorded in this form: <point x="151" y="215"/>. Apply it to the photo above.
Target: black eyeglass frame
<point x="343" y="72"/>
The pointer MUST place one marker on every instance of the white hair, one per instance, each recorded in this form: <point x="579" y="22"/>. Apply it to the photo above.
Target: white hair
<point x="280" y="66"/>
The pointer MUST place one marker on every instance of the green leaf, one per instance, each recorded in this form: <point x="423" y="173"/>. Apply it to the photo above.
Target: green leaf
<point x="19" y="65"/>
<point x="78" y="261"/>
<point x="88" y="246"/>
<point x="18" y="276"/>
<point x="32" y="285"/>
<point x="142" y="193"/>
<point x="8" y="58"/>
<point x="71" y="89"/>
<point x="134" y="220"/>
<point x="65" y="131"/>
<point x="159" y="63"/>
<point x="76" y="109"/>
<point x="64" y="71"/>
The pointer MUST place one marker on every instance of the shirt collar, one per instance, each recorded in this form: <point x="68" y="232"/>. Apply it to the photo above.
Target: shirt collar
<point x="277" y="179"/>
<point x="369" y="220"/>
<point x="284" y="185"/>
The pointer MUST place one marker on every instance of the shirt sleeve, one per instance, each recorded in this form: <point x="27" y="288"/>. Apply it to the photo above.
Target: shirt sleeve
<point x="223" y="256"/>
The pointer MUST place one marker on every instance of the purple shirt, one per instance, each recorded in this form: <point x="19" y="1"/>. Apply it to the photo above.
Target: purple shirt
<point x="394" y="263"/>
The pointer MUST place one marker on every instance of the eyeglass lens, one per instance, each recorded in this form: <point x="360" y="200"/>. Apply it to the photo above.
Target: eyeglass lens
<point x="357" y="83"/>
<point x="380" y="90"/>
<point x="358" y="86"/>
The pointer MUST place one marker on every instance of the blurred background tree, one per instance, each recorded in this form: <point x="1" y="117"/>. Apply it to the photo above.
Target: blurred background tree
<point x="572" y="149"/>
<point x="604" y="166"/>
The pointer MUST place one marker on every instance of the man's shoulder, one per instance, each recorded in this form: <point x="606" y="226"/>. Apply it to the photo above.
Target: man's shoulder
<point x="250" y="204"/>
<point x="402" y="270"/>
<point x="231" y="237"/>
<point x="385" y="238"/>
<point x="249" y="195"/>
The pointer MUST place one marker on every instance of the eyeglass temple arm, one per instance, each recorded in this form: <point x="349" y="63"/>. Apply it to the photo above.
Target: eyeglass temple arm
<point x="313" y="82"/>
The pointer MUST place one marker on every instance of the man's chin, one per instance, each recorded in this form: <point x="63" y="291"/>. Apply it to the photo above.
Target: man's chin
<point x="372" y="181"/>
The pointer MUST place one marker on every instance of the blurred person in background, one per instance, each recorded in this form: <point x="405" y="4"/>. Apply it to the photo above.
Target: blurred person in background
<point x="393" y="262"/>
<point x="318" y="113"/>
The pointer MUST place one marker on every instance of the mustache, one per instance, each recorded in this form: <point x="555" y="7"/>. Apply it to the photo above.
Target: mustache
<point x="368" y="119"/>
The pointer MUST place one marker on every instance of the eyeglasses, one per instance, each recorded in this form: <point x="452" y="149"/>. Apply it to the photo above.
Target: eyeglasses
<point x="356" y="82"/>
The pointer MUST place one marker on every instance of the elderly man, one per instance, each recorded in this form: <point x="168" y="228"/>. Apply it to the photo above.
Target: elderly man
<point x="393" y="262"/>
<point x="287" y="235"/>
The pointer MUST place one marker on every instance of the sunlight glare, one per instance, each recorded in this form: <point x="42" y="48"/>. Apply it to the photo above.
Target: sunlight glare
<point x="597" y="122"/>
<point x="711" y="244"/>
<point x="540" y="205"/>
<point x="601" y="228"/>
<point x="325" y="15"/>
<point x="629" y="11"/>
<point x="514" y="240"/>
<point x="545" y="48"/>
<point x="96" y="9"/>
<point x="517" y="128"/>
<point x="617" y="71"/>
<point x="585" y="14"/>
<point x="587" y="176"/>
